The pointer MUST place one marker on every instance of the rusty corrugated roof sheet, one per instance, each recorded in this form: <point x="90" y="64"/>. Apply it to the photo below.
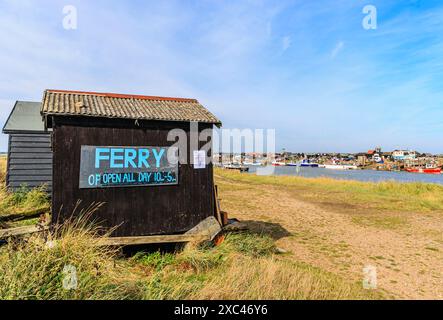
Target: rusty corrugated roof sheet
<point x="112" y="105"/>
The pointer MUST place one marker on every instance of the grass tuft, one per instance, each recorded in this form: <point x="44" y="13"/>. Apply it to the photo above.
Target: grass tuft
<point x="23" y="201"/>
<point x="3" y="164"/>
<point x="39" y="267"/>
<point x="243" y="267"/>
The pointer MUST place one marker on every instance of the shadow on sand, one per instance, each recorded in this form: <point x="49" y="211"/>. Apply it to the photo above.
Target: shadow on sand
<point x="273" y="230"/>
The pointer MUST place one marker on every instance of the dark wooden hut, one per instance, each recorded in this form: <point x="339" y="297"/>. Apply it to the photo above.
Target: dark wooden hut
<point x="29" y="148"/>
<point x="103" y="144"/>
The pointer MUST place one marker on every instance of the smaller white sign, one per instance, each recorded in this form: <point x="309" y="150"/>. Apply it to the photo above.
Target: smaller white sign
<point x="199" y="159"/>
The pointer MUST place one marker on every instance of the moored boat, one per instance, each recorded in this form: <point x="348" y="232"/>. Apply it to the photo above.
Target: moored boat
<point x="252" y="163"/>
<point x="308" y="163"/>
<point x="424" y="170"/>
<point x="236" y="166"/>
<point x="377" y="158"/>
<point x="339" y="166"/>
<point x="278" y="163"/>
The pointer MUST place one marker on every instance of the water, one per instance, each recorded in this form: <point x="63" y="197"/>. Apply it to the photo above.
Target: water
<point x="360" y="175"/>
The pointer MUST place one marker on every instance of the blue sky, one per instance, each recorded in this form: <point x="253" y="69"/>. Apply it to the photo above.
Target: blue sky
<point x="308" y="69"/>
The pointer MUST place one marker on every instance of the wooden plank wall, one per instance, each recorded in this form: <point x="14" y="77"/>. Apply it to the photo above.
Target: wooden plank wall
<point x="137" y="210"/>
<point x="29" y="160"/>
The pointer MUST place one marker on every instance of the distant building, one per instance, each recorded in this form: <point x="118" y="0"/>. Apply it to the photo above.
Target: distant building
<point x="362" y="160"/>
<point x="401" y="155"/>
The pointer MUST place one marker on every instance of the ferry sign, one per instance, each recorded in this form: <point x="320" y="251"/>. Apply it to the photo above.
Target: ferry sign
<point x="102" y="167"/>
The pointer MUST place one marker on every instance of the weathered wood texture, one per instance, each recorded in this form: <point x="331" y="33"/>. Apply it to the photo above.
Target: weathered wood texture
<point x="209" y="227"/>
<point x="29" y="160"/>
<point x="206" y="230"/>
<point x="138" y="211"/>
<point x="24" y="215"/>
<point x="130" y="241"/>
<point x="20" y="231"/>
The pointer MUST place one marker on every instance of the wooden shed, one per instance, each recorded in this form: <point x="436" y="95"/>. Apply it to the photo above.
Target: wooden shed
<point x="29" y="148"/>
<point x="111" y="148"/>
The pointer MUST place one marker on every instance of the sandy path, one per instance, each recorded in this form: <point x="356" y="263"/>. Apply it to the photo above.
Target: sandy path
<point x="408" y="258"/>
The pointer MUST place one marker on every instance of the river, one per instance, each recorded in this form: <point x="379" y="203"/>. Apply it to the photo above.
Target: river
<point x="361" y="175"/>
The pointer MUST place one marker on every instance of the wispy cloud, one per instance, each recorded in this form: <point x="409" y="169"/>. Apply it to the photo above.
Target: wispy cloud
<point x="286" y="42"/>
<point x="338" y="47"/>
<point x="228" y="55"/>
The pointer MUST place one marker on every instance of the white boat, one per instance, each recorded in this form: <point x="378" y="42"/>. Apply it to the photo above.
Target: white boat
<point x="308" y="163"/>
<point x="247" y="163"/>
<point x="339" y="166"/>
<point x="235" y="166"/>
<point x="292" y="164"/>
<point x="278" y="163"/>
<point x="377" y="158"/>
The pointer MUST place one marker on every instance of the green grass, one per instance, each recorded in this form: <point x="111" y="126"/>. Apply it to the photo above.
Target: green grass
<point x="384" y="222"/>
<point x="23" y="201"/>
<point x="3" y="162"/>
<point x="388" y="195"/>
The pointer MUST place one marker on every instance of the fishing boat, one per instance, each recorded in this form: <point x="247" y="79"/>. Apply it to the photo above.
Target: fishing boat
<point x="236" y="166"/>
<point x="292" y="164"/>
<point x="424" y="170"/>
<point x="377" y="158"/>
<point x="278" y="163"/>
<point x="339" y="166"/>
<point x="308" y="163"/>
<point x="247" y="163"/>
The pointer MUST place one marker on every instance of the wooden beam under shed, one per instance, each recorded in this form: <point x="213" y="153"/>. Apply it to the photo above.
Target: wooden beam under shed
<point x="206" y="230"/>
<point x="20" y="231"/>
<point x="124" y="241"/>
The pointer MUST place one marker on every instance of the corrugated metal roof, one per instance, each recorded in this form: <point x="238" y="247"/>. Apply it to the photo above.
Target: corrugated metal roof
<point x="25" y="116"/>
<point x="112" y="105"/>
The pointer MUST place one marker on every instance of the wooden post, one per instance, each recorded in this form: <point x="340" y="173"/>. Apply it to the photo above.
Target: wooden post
<point x="217" y="205"/>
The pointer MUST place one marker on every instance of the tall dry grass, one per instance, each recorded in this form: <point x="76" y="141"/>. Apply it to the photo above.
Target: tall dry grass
<point x="3" y="162"/>
<point x="42" y="267"/>
<point x="274" y="278"/>
<point x="243" y="267"/>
